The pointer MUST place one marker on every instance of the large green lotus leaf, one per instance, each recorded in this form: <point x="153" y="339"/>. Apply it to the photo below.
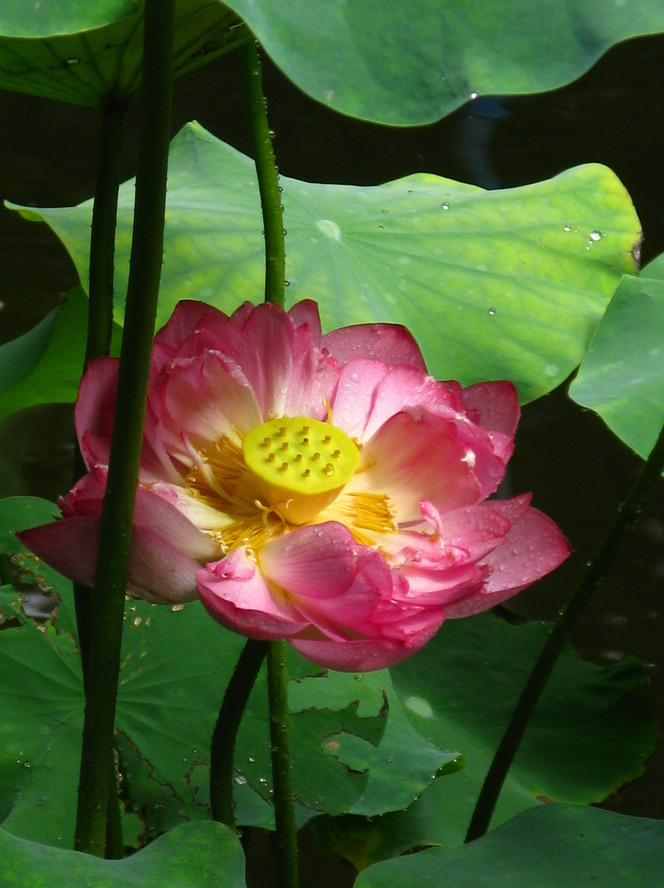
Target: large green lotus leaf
<point x="199" y="855"/>
<point x="557" y="846"/>
<point x="19" y="356"/>
<point x="408" y="63"/>
<point x="389" y="61"/>
<point x="175" y="666"/>
<point x="493" y="284"/>
<point x="622" y="375"/>
<point x="50" y="358"/>
<point x="591" y="732"/>
<point x="86" y="52"/>
<point x="391" y="769"/>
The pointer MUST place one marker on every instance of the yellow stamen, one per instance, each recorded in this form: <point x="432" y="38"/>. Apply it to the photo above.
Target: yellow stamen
<point x="286" y="490"/>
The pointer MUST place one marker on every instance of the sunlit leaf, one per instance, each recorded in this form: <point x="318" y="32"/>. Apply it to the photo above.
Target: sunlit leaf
<point x="622" y="375"/>
<point x="554" y="847"/>
<point x="199" y="855"/>
<point x="493" y="284"/>
<point x="87" y="52"/>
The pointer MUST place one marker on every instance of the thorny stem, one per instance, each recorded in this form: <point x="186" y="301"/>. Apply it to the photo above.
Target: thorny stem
<point x="284" y="810"/>
<point x="116" y="523"/>
<point x="268" y="176"/>
<point x="100" y="292"/>
<point x="100" y="323"/>
<point x="598" y="568"/>
<point x="225" y="731"/>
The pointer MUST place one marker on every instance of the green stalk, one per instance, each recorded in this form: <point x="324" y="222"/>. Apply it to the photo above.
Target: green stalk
<point x="100" y="324"/>
<point x="268" y="176"/>
<point x="284" y="810"/>
<point x="275" y="272"/>
<point x="100" y="292"/>
<point x="623" y="524"/>
<point x="116" y="523"/>
<point x="226" y="728"/>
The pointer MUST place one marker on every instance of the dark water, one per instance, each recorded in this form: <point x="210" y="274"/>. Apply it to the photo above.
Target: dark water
<point x="578" y="470"/>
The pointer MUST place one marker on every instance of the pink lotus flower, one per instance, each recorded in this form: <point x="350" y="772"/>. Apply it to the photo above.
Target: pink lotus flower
<point x="323" y="489"/>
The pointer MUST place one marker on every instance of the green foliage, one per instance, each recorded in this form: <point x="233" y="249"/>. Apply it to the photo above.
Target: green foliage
<point x="360" y="745"/>
<point x="506" y="284"/>
<point x="44" y="366"/>
<point x="556" y="846"/>
<point x="353" y="747"/>
<point x="492" y="284"/>
<point x="460" y="690"/>
<point x="90" y="52"/>
<point x="622" y="375"/>
<point x="390" y="62"/>
<point x="408" y="63"/>
<point x="199" y="855"/>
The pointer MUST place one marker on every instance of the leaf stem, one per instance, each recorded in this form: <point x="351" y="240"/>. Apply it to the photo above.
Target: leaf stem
<point x="117" y="516"/>
<point x="225" y="731"/>
<point x="100" y="292"/>
<point x="267" y="173"/>
<point x="622" y="525"/>
<point x="284" y="811"/>
<point x="100" y="325"/>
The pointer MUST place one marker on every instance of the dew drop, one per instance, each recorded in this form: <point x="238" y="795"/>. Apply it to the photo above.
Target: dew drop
<point x="419" y="706"/>
<point x="329" y="229"/>
<point x="492" y="311"/>
<point x="595" y="236"/>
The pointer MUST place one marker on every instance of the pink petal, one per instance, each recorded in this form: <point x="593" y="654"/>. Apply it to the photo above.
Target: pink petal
<point x="417" y="456"/>
<point x="364" y="656"/>
<point x="477" y="529"/>
<point x="241" y="314"/>
<point x="69" y="546"/>
<point x="241" y="598"/>
<point x="404" y="387"/>
<point x="331" y="580"/>
<point x="305" y="313"/>
<point x="158" y="570"/>
<point x="95" y="406"/>
<point x="389" y="343"/>
<point x="268" y="364"/>
<point x="431" y="588"/>
<point x="369" y="393"/>
<point x="313" y="378"/>
<point x="496" y="406"/>
<point x="534" y="547"/>
<point x="204" y="398"/>
<point x="354" y="398"/>
<point x="187" y="316"/>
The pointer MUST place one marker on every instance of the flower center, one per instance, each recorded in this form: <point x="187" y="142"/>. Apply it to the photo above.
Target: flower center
<point x="301" y="464"/>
